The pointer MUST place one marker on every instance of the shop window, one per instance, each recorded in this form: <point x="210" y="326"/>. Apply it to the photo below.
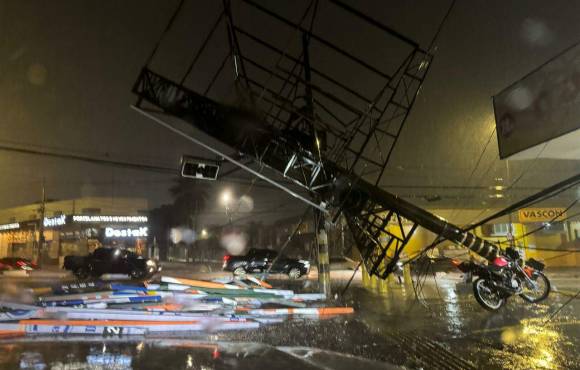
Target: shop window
<point x="91" y="233"/>
<point x="21" y="250"/>
<point x="502" y="229"/>
<point x="551" y="228"/>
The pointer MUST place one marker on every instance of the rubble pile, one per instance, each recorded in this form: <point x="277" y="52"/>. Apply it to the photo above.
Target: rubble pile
<point x="172" y="305"/>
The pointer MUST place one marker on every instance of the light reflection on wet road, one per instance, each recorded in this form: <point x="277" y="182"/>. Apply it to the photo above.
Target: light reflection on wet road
<point x="447" y="330"/>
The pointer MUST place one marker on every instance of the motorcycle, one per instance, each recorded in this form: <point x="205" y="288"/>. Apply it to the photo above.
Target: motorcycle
<point x="505" y="276"/>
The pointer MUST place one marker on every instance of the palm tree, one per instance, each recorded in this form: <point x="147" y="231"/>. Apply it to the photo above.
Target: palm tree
<point x="189" y="200"/>
<point x="160" y="222"/>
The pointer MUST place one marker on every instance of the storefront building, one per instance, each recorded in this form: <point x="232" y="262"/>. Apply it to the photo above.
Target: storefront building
<point x="99" y="223"/>
<point x="545" y="234"/>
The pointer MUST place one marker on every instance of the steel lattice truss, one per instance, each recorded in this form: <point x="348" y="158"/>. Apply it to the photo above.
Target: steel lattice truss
<point x="319" y="128"/>
<point x="361" y="124"/>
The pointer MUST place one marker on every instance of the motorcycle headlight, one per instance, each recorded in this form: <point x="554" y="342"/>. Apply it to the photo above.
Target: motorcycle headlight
<point x="150" y="263"/>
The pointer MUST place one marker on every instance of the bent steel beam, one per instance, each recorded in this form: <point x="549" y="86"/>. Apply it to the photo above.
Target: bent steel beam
<point x="291" y="154"/>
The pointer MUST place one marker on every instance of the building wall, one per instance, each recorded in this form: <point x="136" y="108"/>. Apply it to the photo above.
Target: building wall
<point x="534" y="245"/>
<point x="107" y="206"/>
<point x="22" y="242"/>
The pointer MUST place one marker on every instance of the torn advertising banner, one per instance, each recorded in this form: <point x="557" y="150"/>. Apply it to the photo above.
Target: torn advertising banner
<point x="541" y="214"/>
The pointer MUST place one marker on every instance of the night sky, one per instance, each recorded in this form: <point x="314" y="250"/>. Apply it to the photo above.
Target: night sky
<point x="67" y="68"/>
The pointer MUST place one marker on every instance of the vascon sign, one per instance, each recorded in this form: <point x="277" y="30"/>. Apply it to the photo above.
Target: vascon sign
<point x="541" y="214"/>
<point x="141" y="232"/>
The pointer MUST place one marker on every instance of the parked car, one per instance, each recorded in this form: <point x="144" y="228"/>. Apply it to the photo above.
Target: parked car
<point x="17" y="263"/>
<point x="259" y="260"/>
<point x="111" y="261"/>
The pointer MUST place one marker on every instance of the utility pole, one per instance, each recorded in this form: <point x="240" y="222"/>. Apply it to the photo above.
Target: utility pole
<point x="323" y="256"/>
<point x="319" y="219"/>
<point x="41" y="210"/>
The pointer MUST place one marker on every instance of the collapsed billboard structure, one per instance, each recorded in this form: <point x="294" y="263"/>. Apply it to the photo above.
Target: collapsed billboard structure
<point x="316" y="113"/>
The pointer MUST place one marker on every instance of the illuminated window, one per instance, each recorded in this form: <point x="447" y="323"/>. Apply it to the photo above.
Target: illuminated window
<point x="502" y="229"/>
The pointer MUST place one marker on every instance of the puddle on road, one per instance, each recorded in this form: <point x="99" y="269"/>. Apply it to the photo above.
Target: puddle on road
<point x="387" y="329"/>
<point x="172" y="354"/>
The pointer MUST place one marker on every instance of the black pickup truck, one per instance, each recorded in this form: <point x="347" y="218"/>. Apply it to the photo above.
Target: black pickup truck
<point x="111" y="261"/>
<point x="259" y="260"/>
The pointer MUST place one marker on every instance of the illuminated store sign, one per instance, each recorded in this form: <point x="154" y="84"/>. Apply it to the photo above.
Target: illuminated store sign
<point x="541" y="214"/>
<point x="100" y="218"/>
<point x="11" y="226"/>
<point x="141" y="232"/>
<point x="55" y="221"/>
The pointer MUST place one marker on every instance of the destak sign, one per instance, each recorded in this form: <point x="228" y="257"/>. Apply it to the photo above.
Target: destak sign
<point x="541" y="214"/>
<point x="54" y="221"/>
<point x="141" y="232"/>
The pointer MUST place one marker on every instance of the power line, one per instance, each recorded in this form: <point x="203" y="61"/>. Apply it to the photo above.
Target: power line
<point x="115" y="163"/>
<point x="521" y="175"/>
<point x="94" y="160"/>
<point x="533" y="199"/>
<point x="440" y="27"/>
<point x="546" y="224"/>
<point x="477" y="163"/>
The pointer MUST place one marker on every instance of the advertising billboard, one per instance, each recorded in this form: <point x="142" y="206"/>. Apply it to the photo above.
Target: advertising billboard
<point x="543" y="105"/>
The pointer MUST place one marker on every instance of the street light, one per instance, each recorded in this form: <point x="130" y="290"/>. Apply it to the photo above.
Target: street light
<point x="226" y="200"/>
<point x="203" y="233"/>
<point x="226" y="197"/>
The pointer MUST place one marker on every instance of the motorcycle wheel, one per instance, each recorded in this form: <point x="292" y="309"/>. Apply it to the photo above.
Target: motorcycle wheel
<point x="486" y="295"/>
<point x="535" y="296"/>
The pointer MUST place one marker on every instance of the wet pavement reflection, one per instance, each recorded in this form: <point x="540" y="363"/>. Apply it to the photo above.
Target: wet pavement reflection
<point x="445" y="329"/>
<point x="90" y="353"/>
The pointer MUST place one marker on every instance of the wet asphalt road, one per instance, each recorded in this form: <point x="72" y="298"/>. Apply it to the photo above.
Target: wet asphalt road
<point x="445" y="329"/>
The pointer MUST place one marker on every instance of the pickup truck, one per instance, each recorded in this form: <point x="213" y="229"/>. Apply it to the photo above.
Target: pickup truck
<point x="259" y="260"/>
<point x="111" y="261"/>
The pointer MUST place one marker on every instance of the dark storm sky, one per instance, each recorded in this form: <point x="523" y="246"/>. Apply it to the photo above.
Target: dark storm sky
<point x="67" y="68"/>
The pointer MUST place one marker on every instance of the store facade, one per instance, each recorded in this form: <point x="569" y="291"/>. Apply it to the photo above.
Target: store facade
<point x="74" y="235"/>
<point x="82" y="234"/>
<point x="74" y="227"/>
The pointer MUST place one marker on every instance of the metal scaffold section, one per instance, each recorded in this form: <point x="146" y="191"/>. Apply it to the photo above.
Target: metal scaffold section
<point x="309" y="107"/>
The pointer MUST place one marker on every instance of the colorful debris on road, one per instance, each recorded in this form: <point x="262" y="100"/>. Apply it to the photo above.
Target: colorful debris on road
<point x="173" y="305"/>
